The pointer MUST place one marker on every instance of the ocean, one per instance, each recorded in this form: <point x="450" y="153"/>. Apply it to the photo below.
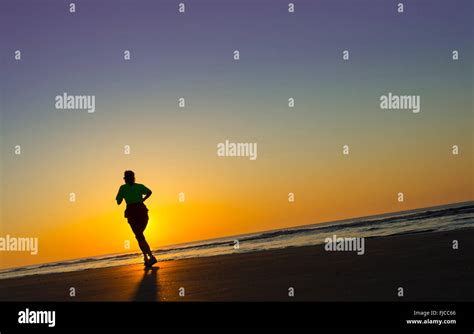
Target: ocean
<point x="433" y="219"/>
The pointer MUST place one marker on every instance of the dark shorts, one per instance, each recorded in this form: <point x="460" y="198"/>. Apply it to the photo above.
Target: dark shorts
<point x="137" y="215"/>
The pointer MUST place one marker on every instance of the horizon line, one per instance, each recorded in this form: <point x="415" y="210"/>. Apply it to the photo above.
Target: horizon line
<point x="261" y="231"/>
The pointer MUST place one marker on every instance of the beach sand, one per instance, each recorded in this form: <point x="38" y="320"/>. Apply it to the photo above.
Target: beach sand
<point x="424" y="264"/>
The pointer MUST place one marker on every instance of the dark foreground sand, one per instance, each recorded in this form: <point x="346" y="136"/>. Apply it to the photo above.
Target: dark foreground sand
<point x="425" y="265"/>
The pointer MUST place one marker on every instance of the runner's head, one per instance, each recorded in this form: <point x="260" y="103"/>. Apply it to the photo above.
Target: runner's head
<point x="129" y="177"/>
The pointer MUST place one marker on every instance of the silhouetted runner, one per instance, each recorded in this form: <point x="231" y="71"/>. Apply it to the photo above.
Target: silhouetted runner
<point x="136" y="211"/>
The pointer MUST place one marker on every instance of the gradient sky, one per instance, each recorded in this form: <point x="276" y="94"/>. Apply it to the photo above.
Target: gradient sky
<point x="173" y="150"/>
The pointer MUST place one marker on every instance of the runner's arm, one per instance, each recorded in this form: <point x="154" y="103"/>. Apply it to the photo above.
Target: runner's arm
<point x="148" y="194"/>
<point x="119" y="197"/>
